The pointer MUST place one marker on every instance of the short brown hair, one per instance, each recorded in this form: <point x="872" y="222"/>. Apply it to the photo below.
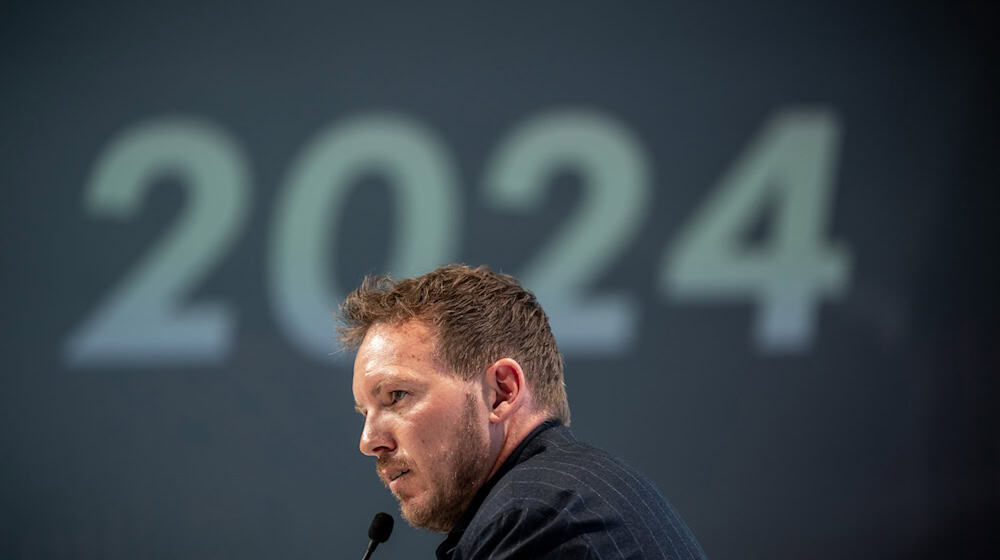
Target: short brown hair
<point x="479" y="316"/>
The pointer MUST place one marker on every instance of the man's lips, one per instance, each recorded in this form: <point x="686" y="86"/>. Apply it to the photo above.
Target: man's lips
<point x="391" y="473"/>
<point x="394" y="478"/>
<point x="397" y="474"/>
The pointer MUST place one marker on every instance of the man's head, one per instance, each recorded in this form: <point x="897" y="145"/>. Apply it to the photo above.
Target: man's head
<point x="478" y="317"/>
<point x="452" y="369"/>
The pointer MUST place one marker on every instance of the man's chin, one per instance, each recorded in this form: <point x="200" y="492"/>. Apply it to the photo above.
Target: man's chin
<point x="418" y="516"/>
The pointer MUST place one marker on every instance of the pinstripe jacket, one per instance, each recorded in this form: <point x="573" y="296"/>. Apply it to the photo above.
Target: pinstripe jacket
<point x="556" y="497"/>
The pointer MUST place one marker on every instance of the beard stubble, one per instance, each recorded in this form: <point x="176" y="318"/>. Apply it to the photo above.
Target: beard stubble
<point x="455" y="478"/>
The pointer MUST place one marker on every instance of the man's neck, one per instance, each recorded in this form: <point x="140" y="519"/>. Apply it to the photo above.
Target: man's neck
<point x="515" y="431"/>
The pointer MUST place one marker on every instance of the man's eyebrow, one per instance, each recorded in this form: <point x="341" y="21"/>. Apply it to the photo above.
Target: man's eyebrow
<point x="378" y="387"/>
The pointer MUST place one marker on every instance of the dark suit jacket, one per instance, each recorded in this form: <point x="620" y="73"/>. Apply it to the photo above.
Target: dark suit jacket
<point x="555" y="497"/>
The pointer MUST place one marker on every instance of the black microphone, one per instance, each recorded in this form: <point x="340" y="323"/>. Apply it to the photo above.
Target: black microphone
<point x="378" y="532"/>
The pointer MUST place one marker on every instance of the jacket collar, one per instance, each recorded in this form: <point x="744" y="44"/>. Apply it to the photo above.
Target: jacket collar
<point x="447" y="547"/>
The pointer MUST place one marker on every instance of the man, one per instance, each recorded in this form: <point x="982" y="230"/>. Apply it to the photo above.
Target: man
<point x="461" y="385"/>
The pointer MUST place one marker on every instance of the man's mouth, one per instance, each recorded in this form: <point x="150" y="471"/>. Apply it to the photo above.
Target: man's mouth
<point x="398" y="474"/>
<point x="389" y="471"/>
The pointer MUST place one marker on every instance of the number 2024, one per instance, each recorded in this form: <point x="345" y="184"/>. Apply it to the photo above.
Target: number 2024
<point x="144" y="319"/>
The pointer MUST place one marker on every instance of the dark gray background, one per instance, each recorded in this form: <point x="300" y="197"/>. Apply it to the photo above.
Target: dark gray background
<point x="879" y="440"/>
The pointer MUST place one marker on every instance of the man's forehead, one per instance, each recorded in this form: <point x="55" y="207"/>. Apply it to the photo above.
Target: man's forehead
<point x="394" y="350"/>
<point x="412" y="338"/>
<point x="412" y="326"/>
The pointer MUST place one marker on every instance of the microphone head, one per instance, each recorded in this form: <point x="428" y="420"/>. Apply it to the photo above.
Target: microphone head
<point x="381" y="527"/>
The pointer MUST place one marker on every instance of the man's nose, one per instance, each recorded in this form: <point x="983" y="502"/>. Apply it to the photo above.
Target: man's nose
<point x="376" y="438"/>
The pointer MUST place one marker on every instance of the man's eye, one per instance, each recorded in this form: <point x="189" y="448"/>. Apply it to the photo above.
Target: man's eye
<point x="397" y="396"/>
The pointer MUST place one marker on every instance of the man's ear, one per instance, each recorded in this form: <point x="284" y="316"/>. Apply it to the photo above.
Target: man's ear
<point x="506" y="387"/>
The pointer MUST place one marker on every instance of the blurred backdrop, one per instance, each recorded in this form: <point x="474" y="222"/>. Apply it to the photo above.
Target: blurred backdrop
<point x="764" y="234"/>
